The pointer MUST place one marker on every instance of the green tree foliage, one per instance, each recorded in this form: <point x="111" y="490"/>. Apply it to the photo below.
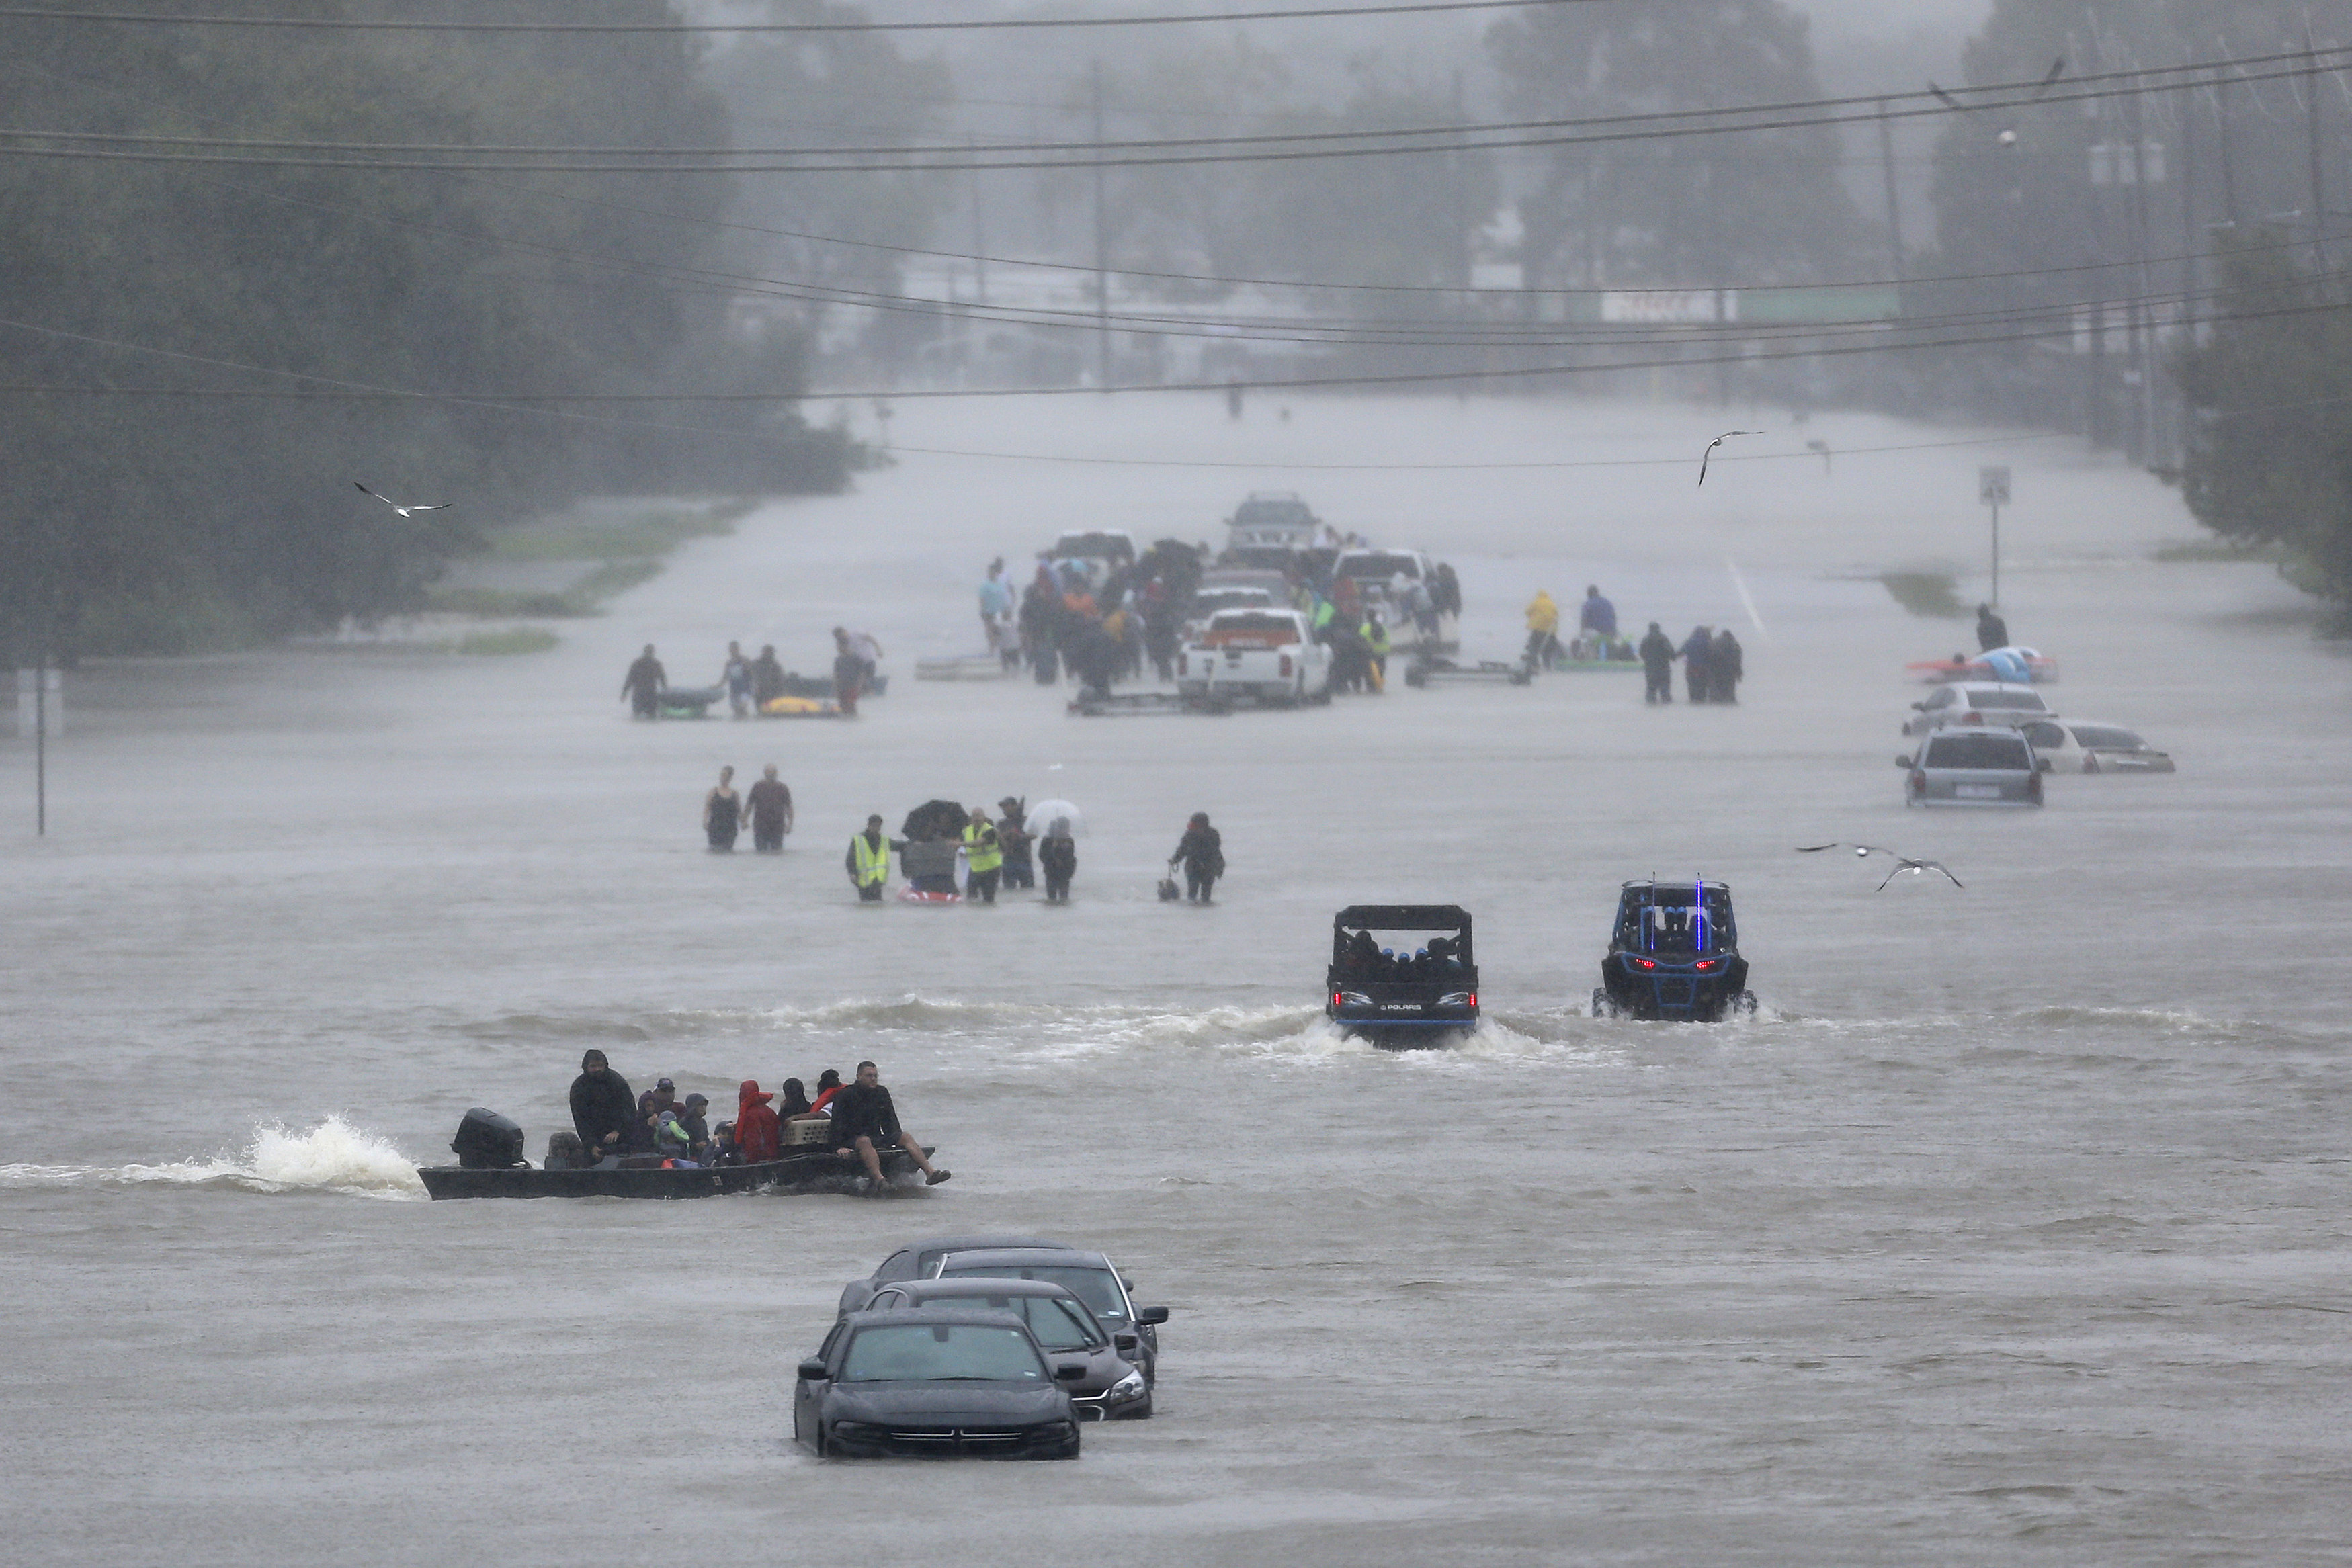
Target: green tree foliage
<point x="1760" y="208"/>
<point x="225" y="511"/>
<point x="2271" y="461"/>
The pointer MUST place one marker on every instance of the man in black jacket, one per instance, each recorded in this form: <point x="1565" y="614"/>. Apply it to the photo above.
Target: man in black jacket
<point x="603" y="1109"/>
<point x="863" y="1116"/>
<point x="1657" y="651"/>
<point x="1202" y="851"/>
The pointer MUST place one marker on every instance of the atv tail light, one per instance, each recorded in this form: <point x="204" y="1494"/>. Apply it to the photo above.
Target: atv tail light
<point x="1335" y="998"/>
<point x="1706" y="963"/>
<point x="1642" y="963"/>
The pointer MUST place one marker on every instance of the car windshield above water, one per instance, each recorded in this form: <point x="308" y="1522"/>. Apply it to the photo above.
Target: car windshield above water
<point x="1979" y="750"/>
<point x="2007" y="699"/>
<point x="1096" y="1287"/>
<point x="1687" y="919"/>
<point x="931" y="1352"/>
<point x="2107" y="737"/>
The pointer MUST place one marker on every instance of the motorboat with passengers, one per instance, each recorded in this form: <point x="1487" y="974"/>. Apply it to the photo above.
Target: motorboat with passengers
<point x="1402" y="975"/>
<point x="1674" y="954"/>
<point x="490" y="1163"/>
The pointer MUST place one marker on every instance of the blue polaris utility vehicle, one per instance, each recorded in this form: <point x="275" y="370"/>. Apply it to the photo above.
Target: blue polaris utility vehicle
<point x="1674" y="954"/>
<point x="1402" y="975"/>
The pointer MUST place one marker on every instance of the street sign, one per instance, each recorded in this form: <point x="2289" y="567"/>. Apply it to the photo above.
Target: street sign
<point x="1993" y="486"/>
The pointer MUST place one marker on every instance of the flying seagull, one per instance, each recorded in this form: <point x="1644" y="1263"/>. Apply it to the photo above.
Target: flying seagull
<point x="403" y="511"/>
<point x="1902" y="862"/>
<point x="1715" y="443"/>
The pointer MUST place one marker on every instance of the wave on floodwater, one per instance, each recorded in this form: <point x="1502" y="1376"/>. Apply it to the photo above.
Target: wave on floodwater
<point x="334" y="1156"/>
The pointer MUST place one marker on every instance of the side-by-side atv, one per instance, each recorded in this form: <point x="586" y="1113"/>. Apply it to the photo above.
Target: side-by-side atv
<point x="1674" y="954"/>
<point x="1402" y="975"/>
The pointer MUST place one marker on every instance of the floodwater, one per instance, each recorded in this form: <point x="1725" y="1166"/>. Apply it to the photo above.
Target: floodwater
<point x="2012" y="1229"/>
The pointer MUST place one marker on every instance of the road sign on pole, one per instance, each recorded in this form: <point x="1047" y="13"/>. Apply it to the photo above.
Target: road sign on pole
<point x="1992" y="489"/>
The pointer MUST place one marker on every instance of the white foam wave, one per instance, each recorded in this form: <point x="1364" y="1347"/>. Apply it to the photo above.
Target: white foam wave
<point x="333" y="1156"/>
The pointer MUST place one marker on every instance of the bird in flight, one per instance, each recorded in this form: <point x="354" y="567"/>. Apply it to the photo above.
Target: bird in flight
<point x="403" y="511"/>
<point x="1902" y="862"/>
<point x="1715" y="443"/>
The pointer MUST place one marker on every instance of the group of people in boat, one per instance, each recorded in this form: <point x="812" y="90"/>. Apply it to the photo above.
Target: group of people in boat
<point x="613" y="1128"/>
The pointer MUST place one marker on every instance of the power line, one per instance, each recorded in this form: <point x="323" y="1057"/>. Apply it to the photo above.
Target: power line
<point x="345" y="389"/>
<point x="1029" y="24"/>
<point x="1156" y="153"/>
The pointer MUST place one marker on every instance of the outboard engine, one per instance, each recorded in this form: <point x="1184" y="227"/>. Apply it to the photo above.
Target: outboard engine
<point x="487" y="1141"/>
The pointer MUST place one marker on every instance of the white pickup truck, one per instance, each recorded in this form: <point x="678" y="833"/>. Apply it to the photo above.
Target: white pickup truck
<point x="1266" y="654"/>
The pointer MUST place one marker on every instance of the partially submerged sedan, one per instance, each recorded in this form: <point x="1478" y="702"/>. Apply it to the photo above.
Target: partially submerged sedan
<point x="1972" y="767"/>
<point x="1113" y="1388"/>
<point x="935" y="1382"/>
<point x="1089" y="1276"/>
<point x="1987" y="703"/>
<point x="2071" y="746"/>
<point x="918" y="1259"/>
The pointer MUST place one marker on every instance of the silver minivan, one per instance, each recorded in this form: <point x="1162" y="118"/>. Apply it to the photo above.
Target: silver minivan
<point x="1973" y="767"/>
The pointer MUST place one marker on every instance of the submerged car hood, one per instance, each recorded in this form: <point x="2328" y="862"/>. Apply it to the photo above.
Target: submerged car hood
<point x="947" y="1403"/>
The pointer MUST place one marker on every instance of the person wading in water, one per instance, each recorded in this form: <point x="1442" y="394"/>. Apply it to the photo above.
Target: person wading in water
<point x="722" y="813"/>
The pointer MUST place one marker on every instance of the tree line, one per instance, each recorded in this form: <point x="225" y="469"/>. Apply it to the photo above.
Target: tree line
<point x="201" y="359"/>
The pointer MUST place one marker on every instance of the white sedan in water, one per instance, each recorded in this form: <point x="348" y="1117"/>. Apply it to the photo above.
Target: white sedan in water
<point x="2083" y="746"/>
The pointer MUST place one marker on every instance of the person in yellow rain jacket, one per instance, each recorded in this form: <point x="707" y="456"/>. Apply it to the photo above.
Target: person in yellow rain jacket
<point x="984" y="855"/>
<point x="868" y="862"/>
<point x="1543" y="630"/>
<point x="1376" y="646"/>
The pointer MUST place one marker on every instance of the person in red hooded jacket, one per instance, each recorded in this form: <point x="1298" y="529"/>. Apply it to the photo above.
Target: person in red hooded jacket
<point x="756" y="1133"/>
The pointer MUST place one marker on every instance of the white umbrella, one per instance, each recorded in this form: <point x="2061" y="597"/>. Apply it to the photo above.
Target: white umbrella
<point x="1043" y="814"/>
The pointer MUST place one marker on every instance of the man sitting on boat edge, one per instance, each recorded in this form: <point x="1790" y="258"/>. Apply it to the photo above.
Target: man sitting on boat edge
<point x="864" y="1116"/>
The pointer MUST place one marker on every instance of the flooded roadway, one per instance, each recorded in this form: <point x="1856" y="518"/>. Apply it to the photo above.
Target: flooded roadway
<point x="2013" y="1229"/>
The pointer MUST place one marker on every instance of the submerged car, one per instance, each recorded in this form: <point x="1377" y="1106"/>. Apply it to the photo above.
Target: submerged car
<point x="1675" y="953"/>
<point x="1972" y="767"/>
<point x="935" y="1382"/>
<point x="1089" y="1276"/>
<point x="1990" y="702"/>
<point x="2088" y="747"/>
<point x="917" y="1259"/>
<point x="1113" y="1388"/>
<point x="1416" y="987"/>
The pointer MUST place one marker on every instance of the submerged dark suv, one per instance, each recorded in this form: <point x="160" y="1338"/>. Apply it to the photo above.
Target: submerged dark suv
<point x="1402" y="975"/>
<point x="1674" y="954"/>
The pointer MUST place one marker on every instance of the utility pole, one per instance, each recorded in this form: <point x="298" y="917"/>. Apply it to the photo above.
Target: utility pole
<point x="2191" y="238"/>
<point x="41" y="745"/>
<point x="1895" y="260"/>
<point x="979" y="231"/>
<point x="1462" y="259"/>
<point x="1102" y="250"/>
<point x="2318" y="178"/>
<point x="2143" y="442"/>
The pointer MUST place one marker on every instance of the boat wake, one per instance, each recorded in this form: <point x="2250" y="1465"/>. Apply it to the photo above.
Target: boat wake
<point x="333" y="1156"/>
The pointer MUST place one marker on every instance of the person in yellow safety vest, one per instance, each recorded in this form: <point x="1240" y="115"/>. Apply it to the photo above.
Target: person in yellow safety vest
<point x="983" y="854"/>
<point x="868" y="862"/>
<point x="1376" y="643"/>
<point x="1543" y="630"/>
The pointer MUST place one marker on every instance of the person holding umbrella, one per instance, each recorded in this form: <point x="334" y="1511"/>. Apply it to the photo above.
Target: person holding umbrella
<point x="1057" y="856"/>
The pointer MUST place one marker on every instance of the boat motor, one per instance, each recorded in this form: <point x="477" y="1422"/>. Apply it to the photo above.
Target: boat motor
<point x="487" y="1141"/>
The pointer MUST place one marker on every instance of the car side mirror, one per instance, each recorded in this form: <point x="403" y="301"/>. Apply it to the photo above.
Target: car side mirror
<point x="2044" y="765"/>
<point x="1123" y="1342"/>
<point x="811" y="1371"/>
<point x="1070" y="1371"/>
<point x="1902" y="762"/>
<point x="1152" y="1317"/>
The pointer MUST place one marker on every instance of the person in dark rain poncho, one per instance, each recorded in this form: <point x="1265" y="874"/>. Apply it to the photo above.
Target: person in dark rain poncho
<point x="603" y="1108"/>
